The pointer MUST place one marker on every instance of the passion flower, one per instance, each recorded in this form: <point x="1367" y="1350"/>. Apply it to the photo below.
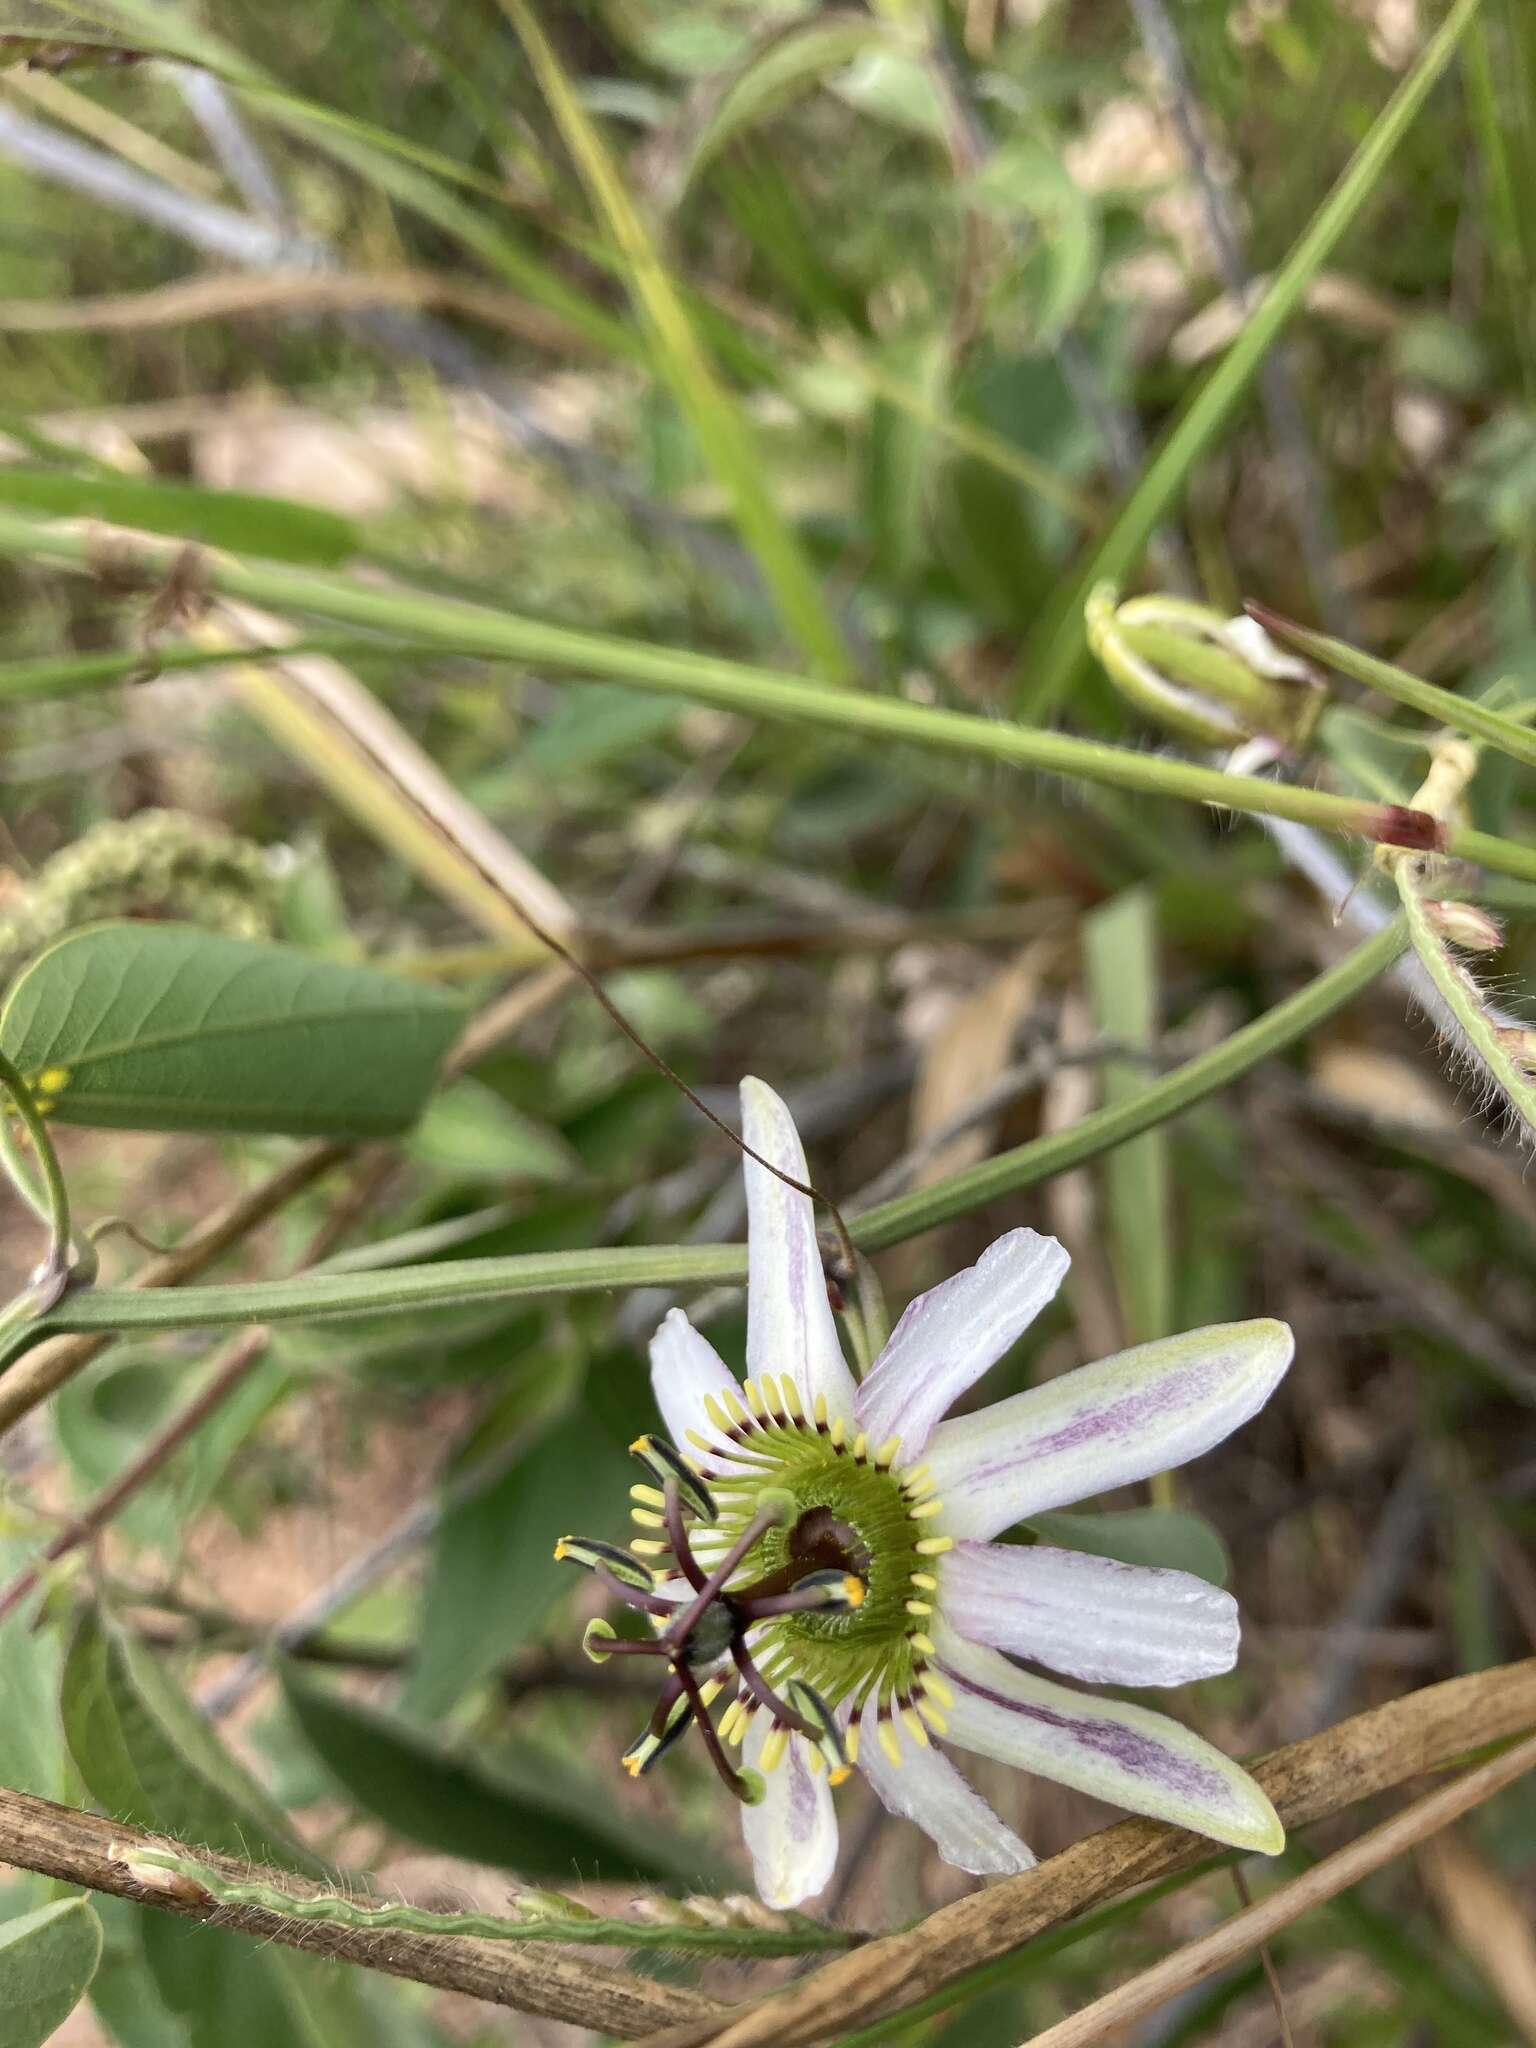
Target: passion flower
<point x="822" y="1550"/>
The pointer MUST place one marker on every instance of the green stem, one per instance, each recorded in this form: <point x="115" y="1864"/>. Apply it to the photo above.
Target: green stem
<point x="1454" y="984"/>
<point x="454" y="1283"/>
<point x="472" y="629"/>
<point x="798" y="1937"/>
<point x="64" y="675"/>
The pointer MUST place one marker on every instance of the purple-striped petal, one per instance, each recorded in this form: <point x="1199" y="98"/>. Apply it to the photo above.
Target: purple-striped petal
<point x="790" y="1326"/>
<point x="1091" y="1617"/>
<point x="925" y="1787"/>
<point x="1143" y="1411"/>
<point x="792" y="1835"/>
<point x="1125" y="1755"/>
<point x="950" y="1335"/>
<point x="684" y="1368"/>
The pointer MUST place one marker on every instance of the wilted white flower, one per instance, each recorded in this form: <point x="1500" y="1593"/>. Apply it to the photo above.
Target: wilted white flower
<point x="825" y="1550"/>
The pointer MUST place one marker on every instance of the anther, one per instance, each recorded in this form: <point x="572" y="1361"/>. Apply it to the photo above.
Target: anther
<point x="668" y="1465"/>
<point x="593" y="1555"/>
<point x="826" y="1740"/>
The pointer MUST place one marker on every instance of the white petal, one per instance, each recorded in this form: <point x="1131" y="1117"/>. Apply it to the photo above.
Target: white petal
<point x="926" y="1787"/>
<point x="792" y="1836"/>
<point x="1142" y="1411"/>
<point x="684" y="1368"/>
<point x="790" y="1327"/>
<point x="1092" y="1617"/>
<point x="1126" y="1755"/>
<point x="950" y="1335"/>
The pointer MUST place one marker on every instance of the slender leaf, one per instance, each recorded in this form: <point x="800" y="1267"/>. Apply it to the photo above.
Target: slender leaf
<point x="47" y="1959"/>
<point x="724" y="436"/>
<point x="494" y="1576"/>
<point x="781" y="67"/>
<point x="167" y="1027"/>
<point x="424" y="1792"/>
<point x="278" y="528"/>
<point x="1120" y="953"/>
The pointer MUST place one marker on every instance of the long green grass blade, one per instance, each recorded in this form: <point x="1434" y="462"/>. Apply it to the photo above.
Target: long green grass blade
<point x="724" y="437"/>
<point x="1051" y="664"/>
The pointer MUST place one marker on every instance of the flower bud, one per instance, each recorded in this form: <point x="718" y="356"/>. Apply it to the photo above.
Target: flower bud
<point x="1465" y="925"/>
<point x="1210" y="679"/>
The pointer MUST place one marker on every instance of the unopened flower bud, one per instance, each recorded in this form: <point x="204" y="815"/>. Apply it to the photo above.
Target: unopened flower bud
<point x="1465" y="925"/>
<point x="1211" y="679"/>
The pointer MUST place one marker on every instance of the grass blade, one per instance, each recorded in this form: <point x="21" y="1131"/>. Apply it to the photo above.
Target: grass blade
<point x="724" y="437"/>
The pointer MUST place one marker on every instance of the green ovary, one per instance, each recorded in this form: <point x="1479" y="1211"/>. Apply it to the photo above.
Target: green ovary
<point x="852" y="1513"/>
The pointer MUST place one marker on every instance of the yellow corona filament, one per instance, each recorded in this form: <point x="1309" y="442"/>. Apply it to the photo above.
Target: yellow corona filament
<point x="923" y="1645"/>
<point x="791" y="1394"/>
<point x="914" y="1724"/>
<point x="919" y="1607"/>
<point x="755" y="1401"/>
<point x="729" y="1719"/>
<point x="851" y="1744"/>
<point x="771" y="1755"/>
<point x="925" y="1582"/>
<point x="915" y="1474"/>
<point x="860" y="1446"/>
<point x="819" y="1412"/>
<point x="717" y="1414"/>
<point x="916" y="1488"/>
<point x="648" y="1496"/>
<point x="646" y="1547"/>
<point x="886" y="1454"/>
<point x="702" y="1443"/>
<point x="936" y="1689"/>
<point x="836" y="1434"/>
<point x="816" y="1760"/>
<point x="926" y="1507"/>
<point x="934" y="1546"/>
<point x="646" y="1518"/>
<point x="889" y="1740"/>
<point x="711" y="1690"/>
<point x="933" y="1717"/>
<point x="733" y="1407"/>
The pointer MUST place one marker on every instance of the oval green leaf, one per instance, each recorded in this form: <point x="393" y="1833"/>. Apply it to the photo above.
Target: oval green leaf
<point x="163" y="1027"/>
<point x="47" y="1959"/>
